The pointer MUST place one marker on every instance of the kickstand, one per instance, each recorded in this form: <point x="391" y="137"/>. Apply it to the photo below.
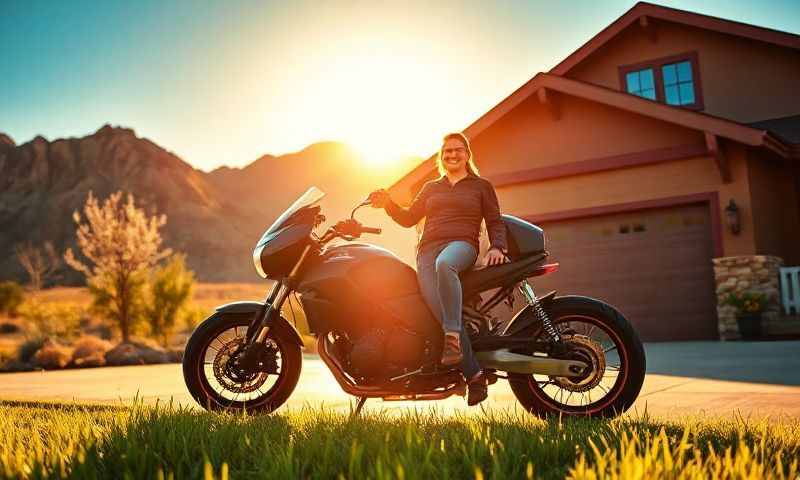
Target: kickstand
<point x="359" y="405"/>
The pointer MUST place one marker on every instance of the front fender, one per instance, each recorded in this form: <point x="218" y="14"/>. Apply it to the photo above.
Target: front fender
<point x="252" y="308"/>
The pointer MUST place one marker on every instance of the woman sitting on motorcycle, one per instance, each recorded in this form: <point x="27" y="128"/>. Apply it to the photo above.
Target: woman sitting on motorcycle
<point x="453" y="207"/>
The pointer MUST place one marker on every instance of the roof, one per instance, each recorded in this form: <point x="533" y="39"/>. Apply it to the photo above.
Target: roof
<point x="774" y="135"/>
<point x="747" y="135"/>
<point x="785" y="128"/>
<point x="643" y="10"/>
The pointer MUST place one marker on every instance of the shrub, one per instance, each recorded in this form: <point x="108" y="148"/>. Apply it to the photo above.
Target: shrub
<point x="29" y="347"/>
<point x="192" y="317"/>
<point x="137" y="353"/>
<point x="11" y="296"/>
<point x="747" y="302"/>
<point x="90" y="351"/>
<point x="52" y="355"/>
<point x="8" y="327"/>
<point x="170" y="289"/>
<point x="53" y="319"/>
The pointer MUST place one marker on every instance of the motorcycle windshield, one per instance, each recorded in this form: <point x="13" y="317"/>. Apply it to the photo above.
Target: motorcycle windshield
<point x="312" y="196"/>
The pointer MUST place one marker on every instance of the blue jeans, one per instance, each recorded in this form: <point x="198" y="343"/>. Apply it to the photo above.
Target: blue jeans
<point x="437" y="271"/>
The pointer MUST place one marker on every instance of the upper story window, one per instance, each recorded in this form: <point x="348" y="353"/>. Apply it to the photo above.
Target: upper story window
<point x="673" y="80"/>
<point x="641" y="83"/>
<point x="678" y="84"/>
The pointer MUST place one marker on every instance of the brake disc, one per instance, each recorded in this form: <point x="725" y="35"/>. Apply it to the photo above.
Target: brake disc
<point x="589" y="351"/>
<point x="235" y="379"/>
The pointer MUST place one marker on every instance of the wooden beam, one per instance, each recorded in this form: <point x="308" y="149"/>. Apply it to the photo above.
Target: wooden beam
<point x="550" y="101"/>
<point x="649" y="27"/>
<point x="715" y="149"/>
<point x="599" y="164"/>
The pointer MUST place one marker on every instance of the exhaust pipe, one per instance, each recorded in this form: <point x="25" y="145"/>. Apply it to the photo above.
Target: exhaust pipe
<point x="516" y="363"/>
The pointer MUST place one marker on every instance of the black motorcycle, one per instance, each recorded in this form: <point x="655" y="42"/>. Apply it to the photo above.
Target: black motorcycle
<point x="562" y="355"/>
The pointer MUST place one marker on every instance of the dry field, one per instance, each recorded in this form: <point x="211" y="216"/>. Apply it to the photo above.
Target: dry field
<point x="206" y="296"/>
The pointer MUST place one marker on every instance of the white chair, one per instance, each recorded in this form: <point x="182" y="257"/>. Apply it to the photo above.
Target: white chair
<point x="790" y="289"/>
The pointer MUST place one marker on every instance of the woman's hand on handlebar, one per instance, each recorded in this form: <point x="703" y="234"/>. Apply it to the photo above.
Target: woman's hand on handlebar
<point x="379" y="198"/>
<point x="494" y="257"/>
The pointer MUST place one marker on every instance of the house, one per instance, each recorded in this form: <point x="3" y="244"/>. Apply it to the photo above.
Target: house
<point x="662" y="159"/>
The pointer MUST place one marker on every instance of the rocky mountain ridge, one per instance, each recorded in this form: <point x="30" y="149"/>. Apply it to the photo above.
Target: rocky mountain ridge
<point x="214" y="217"/>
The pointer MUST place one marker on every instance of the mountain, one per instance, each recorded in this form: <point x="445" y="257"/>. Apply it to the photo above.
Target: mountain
<point x="215" y="217"/>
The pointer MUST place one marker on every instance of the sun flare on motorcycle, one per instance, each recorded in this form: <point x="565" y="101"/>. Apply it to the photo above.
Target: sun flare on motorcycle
<point x="562" y="355"/>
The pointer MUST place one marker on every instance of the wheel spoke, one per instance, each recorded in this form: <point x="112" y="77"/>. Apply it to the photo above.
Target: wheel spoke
<point x="597" y="334"/>
<point x="589" y="330"/>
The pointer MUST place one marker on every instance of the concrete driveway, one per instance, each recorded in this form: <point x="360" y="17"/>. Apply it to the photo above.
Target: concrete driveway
<point x="753" y="379"/>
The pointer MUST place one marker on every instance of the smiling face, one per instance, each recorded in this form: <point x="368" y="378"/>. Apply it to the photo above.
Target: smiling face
<point x="454" y="156"/>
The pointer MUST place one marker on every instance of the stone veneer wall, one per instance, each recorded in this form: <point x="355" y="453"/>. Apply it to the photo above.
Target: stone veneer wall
<point x="754" y="273"/>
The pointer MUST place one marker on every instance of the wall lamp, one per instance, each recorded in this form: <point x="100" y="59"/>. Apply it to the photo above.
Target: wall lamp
<point x="732" y="218"/>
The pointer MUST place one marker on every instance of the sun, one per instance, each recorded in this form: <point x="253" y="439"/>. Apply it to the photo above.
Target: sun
<point x="379" y="103"/>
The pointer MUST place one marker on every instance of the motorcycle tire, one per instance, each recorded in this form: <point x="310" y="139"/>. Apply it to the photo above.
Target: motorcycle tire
<point x="208" y="397"/>
<point x="620" y="397"/>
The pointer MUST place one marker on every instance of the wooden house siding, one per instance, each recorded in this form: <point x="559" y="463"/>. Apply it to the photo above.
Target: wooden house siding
<point x="744" y="80"/>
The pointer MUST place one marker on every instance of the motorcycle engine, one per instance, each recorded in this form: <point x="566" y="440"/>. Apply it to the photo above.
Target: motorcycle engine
<point x="381" y="354"/>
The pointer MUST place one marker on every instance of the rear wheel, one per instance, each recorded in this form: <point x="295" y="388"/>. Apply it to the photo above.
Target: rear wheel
<point x="601" y="337"/>
<point x="215" y="382"/>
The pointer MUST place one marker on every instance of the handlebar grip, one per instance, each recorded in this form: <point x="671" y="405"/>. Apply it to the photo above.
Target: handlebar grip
<point x="376" y="231"/>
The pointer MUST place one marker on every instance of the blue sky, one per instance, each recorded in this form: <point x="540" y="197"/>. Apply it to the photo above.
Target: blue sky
<point x="225" y="82"/>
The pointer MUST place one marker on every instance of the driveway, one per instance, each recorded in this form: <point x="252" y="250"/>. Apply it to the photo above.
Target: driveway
<point x="754" y="379"/>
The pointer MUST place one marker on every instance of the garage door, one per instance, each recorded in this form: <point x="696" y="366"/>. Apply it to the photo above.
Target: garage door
<point x="653" y="265"/>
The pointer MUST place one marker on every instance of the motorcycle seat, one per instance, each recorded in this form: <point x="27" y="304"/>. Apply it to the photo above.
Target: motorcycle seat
<point x="480" y="278"/>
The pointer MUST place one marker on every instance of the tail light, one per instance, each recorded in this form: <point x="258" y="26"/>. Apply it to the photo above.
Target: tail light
<point x="545" y="269"/>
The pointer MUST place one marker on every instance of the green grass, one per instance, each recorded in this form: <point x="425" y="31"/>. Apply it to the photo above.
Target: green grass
<point x="55" y="441"/>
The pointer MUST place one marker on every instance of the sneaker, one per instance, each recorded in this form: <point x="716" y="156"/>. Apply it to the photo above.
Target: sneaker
<point x="451" y="353"/>
<point x="477" y="389"/>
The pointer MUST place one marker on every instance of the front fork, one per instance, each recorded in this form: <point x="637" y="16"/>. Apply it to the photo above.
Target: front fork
<point x="265" y="317"/>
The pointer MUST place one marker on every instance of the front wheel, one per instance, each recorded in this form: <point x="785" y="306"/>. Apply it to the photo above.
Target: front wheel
<point x="214" y="381"/>
<point x="599" y="336"/>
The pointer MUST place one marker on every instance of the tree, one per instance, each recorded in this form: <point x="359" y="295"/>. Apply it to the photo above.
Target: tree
<point x="11" y="297"/>
<point x="121" y="243"/>
<point x="40" y="264"/>
<point x="170" y="289"/>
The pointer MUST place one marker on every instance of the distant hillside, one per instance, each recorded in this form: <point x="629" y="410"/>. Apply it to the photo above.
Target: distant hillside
<point x="214" y="217"/>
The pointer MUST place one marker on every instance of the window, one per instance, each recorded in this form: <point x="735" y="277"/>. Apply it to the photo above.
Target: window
<point x="678" y="84"/>
<point x="673" y="80"/>
<point x="641" y="83"/>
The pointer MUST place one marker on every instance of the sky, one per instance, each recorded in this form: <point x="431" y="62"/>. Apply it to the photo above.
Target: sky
<point x="222" y="83"/>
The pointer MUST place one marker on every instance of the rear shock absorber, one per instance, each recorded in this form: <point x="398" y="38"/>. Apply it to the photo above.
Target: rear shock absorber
<point x="538" y="310"/>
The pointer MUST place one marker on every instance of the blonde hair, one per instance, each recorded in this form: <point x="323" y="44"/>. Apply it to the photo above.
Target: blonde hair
<point x="471" y="167"/>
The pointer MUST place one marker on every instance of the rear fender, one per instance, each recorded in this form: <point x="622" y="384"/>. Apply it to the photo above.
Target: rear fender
<point x="256" y="307"/>
<point x="526" y="318"/>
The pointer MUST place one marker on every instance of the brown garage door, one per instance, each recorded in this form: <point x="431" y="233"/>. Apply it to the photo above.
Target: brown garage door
<point x="652" y="265"/>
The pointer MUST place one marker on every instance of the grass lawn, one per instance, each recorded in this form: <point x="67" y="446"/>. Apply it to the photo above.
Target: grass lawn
<point x="47" y="441"/>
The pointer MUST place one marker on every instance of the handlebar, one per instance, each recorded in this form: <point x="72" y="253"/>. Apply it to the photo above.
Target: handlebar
<point x="349" y="229"/>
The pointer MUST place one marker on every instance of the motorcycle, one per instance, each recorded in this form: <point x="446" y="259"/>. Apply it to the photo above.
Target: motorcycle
<point x="562" y="355"/>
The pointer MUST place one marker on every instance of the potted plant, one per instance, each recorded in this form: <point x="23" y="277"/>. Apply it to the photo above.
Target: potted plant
<point x="749" y="307"/>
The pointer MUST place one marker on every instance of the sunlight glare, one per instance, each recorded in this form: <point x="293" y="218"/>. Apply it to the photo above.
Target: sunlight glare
<point x="377" y="102"/>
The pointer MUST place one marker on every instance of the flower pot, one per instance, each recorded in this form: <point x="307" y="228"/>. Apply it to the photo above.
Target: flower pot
<point x="749" y="325"/>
